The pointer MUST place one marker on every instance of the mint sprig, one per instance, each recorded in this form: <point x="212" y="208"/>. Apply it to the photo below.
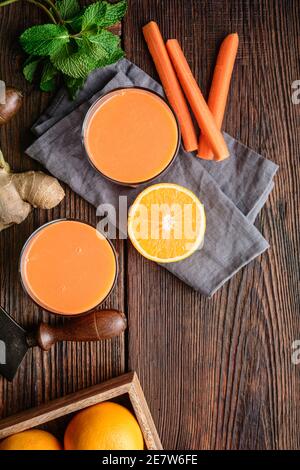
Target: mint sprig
<point x="74" y="44"/>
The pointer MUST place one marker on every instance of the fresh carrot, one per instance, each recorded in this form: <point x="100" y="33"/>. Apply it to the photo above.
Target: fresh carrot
<point x="171" y="85"/>
<point x="219" y="88"/>
<point x="198" y="104"/>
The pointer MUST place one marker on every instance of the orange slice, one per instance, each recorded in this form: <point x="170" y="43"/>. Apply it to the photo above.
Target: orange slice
<point x="166" y="223"/>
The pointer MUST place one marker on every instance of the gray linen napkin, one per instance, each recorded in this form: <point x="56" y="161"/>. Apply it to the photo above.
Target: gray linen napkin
<point x="233" y="191"/>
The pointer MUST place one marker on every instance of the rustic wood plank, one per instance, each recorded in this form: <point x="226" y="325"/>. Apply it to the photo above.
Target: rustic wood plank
<point x="68" y="367"/>
<point x="217" y="373"/>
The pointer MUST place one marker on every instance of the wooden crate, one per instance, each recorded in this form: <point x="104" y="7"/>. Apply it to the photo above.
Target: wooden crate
<point x="54" y="415"/>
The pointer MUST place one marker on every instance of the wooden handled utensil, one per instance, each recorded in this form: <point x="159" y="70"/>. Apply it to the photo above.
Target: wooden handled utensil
<point x="15" y="341"/>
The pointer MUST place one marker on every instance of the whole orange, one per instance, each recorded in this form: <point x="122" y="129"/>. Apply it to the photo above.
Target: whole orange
<point x="106" y="426"/>
<point x="34" y="439"/>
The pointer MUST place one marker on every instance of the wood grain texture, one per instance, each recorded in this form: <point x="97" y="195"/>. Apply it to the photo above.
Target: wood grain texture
<point x="68" y="367"/>
<point x="217" y="373"/>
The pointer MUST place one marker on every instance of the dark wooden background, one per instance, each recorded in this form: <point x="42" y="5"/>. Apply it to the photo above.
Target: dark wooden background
<point x="217" y="373"/>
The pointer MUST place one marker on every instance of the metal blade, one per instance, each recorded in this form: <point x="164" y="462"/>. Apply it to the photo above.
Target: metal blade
<point x="13" y="345"/>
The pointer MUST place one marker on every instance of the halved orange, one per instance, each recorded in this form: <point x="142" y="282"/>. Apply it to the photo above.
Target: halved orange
<point x="166" y="223"/>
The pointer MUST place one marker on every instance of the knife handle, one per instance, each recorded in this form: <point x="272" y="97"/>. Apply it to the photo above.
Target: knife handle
<point x="103" y="324"/>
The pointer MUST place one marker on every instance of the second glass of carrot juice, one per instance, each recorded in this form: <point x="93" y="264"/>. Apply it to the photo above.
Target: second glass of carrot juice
<point x="131" y="135"/>
<point x="68" y="267"/>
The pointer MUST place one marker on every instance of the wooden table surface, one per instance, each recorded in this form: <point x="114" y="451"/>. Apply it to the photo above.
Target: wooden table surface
<point x="217" y="373"/>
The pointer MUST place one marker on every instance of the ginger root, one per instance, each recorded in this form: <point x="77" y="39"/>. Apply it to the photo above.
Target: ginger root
<point x="20" y="192"/>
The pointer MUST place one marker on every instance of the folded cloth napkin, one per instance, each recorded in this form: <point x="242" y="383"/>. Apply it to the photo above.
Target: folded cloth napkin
<point x="233" y="191"/>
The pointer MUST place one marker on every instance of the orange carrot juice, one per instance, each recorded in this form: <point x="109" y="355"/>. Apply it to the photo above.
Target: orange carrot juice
<point x="68" y="267"/>
<point x="131" y="135"/>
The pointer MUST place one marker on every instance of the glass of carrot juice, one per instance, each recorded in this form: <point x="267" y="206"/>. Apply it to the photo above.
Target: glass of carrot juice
<point x="68" y="267"/>
<point x="131" y="135"/>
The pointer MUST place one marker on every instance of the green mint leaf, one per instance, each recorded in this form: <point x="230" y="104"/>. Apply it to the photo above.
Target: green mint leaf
<point x="93" y="14"/>
<point x="113" y="14"/>
<point x="106" y="40"/>
<point x="73" y="85"/>
<point x="44" y="39"/>
<point x="30" y="68"/>
<point x="114" y="57"/>
<point x="91" y="49"/>
<point x="68" y="9"/>
<point x="100" y="13"/>
<point x="74" y="64"/>
<point x="99" y="47"/>
<point x="49" y="74"/>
